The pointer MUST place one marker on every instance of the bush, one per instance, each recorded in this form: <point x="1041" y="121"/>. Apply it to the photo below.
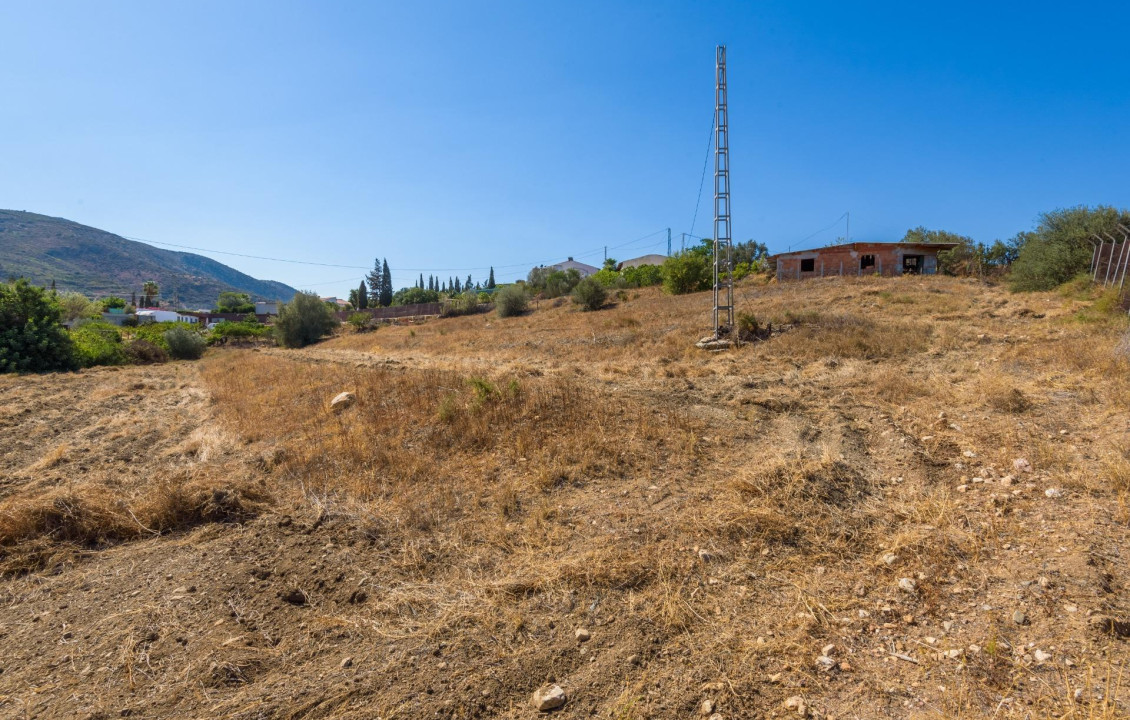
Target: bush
<point x="244" y="328"/>
<point x="303" y="320"/>
<point x="590" y="294"/>
<point x="484" y="298"/>
<point x="414" y="296"/>
<point x="464" y="304"/>
<point x="31" y="338"/>
<point x="154" y="333"/>
<point x="686" y="273"/>
<point x="510" y="301"/>
<point x="184" y="344"/>
<point x="143" y="352"/>
<point x="1061" y="246"/>
<point x="359" y="320"/>
<point x="98" y="343"/>
<point x="642" y="275"/>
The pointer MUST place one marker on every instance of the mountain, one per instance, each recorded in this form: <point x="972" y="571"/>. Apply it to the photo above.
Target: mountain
<point x="97" y="263"/>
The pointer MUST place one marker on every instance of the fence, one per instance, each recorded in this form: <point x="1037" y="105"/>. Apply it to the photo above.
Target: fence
<point x="396" y="311"/>
<point x="1110" y="262"/>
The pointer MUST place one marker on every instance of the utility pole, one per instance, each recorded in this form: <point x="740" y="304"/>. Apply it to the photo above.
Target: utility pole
<point x="723" y="246"/>
<point x="683" y="243"/>
<point x="668" y="242"/>
<point x="847" y="228"/>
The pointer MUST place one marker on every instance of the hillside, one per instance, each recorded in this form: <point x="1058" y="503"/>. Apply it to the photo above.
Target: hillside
<point x="97" y="263"/>
<point x="911" y="502"/>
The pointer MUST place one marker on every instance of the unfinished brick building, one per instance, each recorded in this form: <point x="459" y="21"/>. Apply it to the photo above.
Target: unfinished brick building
<point x="861" y="258"/>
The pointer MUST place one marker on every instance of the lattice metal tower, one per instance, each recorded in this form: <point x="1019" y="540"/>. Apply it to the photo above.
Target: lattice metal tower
<point x="723" y="244"/>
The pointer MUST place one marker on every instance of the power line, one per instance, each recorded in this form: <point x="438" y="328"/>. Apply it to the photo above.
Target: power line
<point x="705" y="162"/>
<point x="826" y="229"/>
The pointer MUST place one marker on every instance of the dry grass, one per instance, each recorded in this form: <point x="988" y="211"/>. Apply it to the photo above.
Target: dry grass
<point x="714" y="520"/>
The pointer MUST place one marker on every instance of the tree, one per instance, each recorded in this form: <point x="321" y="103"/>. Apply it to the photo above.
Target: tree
<point x="687" y="272"/>
<point x="609" y="264"/>
<point x="414" y="296"/>
<point x="421" y="284"/>
<point x="458" y="286"/>
<point x="303" y="320"/>
<point x="362" y="296"/>
<point x="750" y="252"/>
<point x="490" y="279"/>
<point x="234" y="302"/>
<point x="386" y="285"/>
<point x="112" y="303"/>
<point x="76" y="306"/>
<point x="31" y="339"/>
<point x="1062" y="244"/>
<point x="150" y="290"/>
<point x="375" y="278"/>
<point x="511" y="300"/>
<point x="467" y="285"/>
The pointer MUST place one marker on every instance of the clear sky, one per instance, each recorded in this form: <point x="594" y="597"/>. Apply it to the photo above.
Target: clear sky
<point x="450" y="136"/>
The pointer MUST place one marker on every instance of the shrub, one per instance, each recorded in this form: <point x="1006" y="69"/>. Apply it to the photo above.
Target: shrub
<point x="463" y="304"/>
<point x="686" y="273"/>
<point x="98" y="343"/>
<point x="484" y="298"/>
<point x="303" y="320"/>
<point x="358" y="320"/>
<point x="414" y="296"/>
<point x="143" y="352"/>
<point x="590" y="294"/>
<point x="184" y="344"/>
<point x="642" y="275"/>
<point x="31" y="338"/>
<point x="244" y="328"/>
<point x="510" y="301"/>
<point x="1061" y="246"/>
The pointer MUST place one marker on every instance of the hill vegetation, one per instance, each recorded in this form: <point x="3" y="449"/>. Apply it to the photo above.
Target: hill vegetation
<point x="99" y="264"/>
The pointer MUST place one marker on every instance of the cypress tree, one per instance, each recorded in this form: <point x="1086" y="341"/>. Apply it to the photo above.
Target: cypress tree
<point x="386" y="285"/>
<point x="362" y="296"/>
<point x="490" y="280"/>
<point x="467" y="285"/>
<point x="421" y="281"/>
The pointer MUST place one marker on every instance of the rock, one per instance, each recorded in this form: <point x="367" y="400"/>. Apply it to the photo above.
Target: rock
<point x="634" y="659"/>
<point x="347" y="662"/>
<point x="707" y="707"/>
<point x="828" y="650"/>
<point x="845" y="666"/>
<point x="969" y="454"/>
<point x="890" y="559"/>
<point x="1041" y="656"/>
<point x="1021" y="465"/>
<point x="716" y="716"/>
<point x="825" y="663"/>
<point x="294" y="596"/>
<point x="908" y="585"/>
<point x="1053" y="493"/>
<point x="550" y="698"/>
<point x="962" y="488"/>
<point x="1078" y="695"/>
<point x="582" y="635"/>
<point x="953" y="654"/>
<point x="342" y="401"/>
<point x="1110" y="626"/>
<point x="712" y="343"/>
<point x="1006" y="480"/>
<point x="796" y="702"/>
<point x="1019" y="617"/>
<point x="705" y="555"/>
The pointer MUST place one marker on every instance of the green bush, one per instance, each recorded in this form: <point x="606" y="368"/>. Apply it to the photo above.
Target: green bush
<point x="241" y="329"/>
<point x="511" y="300"/>
<point x="143" y="352"/>
<point x="590" y="294"/>
<point x="484" y="298"/>
<point x="98" y="343"/>
<point x="463" y="304"/>
<point x="184" y="344"/>
<point x="31" y="338"/>
<point x="686" y="273"/>
<point x="1062" y="245"/>
<point x="359" y="320"/>
<point x="304" y="320"/>
<point x="153" y="332"/>
<point x="642" y="275"/>
<point x="414" y="296"/>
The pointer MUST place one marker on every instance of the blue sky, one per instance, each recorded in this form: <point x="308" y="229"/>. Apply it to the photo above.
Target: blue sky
<point x="450" y="136"/>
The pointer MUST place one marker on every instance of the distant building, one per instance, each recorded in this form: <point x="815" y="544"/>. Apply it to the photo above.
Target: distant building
<point x="580" y="267"/>
<point x="652" y="259"/>
<point x="266" y="308"/>
<point x="151" y="315"/>
<point x="861" y="258"/>
<point x="342" y="304"/>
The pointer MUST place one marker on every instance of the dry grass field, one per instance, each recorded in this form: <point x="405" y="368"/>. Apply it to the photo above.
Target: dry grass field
<point x="911" y="502"/>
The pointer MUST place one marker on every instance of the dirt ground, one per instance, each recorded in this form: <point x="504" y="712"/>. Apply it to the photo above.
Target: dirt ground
<point x="912" y="502"/>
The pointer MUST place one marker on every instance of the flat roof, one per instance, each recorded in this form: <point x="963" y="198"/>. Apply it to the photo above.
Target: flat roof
<point x="858" y="245"/>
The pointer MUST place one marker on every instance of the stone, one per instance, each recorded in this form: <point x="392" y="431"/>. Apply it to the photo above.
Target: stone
<point x="347" y="662"/>
<point x="1021" y="465"/>
<point x="1006" y="480"/>
<point x="796" y="702"/>
<point x="890" y="559"/>
<point x="342" y="401"/>
<point x="825" y="663"/>
<point x="969" y="454"/>
<point x="716" y="716"/>
<point x="582" y="635"/>
<point x="634" y="659"/>
<point x="1041" y="656"/>
<point x="947" y="625"/>
<point x="908" y="585"/>
<point x="707" y="707"/>
<point x="1019" y="617"/>
<point x="294" y="596"/>
<point x="828" y="650"/>
<point x="1053" y="493"/>
<point x="550" y="698"/>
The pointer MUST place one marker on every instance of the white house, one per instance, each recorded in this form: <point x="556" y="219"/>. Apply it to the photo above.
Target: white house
<point x="151" y="315"/>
